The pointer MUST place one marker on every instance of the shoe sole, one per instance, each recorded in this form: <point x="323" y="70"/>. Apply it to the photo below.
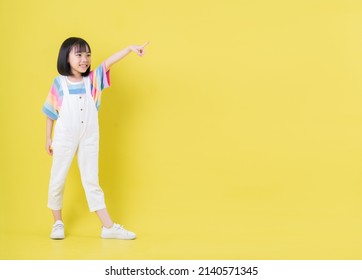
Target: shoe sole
<point x="116" y="237"/>
<point x="57" y="237"/>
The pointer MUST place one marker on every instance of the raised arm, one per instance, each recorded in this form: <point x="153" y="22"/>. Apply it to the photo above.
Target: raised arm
<point x="139" y="50"/>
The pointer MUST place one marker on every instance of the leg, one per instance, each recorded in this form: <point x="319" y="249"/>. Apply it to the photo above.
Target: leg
<point x="62" y="158"/>
<point x="105" y="218"/>
<point x="57" y="215"/>
<point x="63" y="154"/>
<point x="88" y="167"/>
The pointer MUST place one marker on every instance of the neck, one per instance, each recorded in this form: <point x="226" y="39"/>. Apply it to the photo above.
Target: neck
<point x="75" y="78"/>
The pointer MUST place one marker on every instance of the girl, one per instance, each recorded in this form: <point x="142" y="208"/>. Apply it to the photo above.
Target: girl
<point x="73" y="102"/>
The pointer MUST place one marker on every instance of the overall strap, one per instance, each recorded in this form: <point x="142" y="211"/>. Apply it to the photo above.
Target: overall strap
<point x="63" y="83"/>
<point x="87" y="84"/>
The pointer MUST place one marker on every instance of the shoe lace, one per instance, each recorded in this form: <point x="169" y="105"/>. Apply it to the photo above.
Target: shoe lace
<point x="119" y="227"/>
<point x="58" y="226"/>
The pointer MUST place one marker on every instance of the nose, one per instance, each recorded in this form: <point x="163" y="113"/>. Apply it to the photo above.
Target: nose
<point x="85" y="58"/>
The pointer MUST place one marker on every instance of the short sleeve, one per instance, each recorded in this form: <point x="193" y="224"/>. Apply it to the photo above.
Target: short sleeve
<point x="100" y="80"/>
<point x="53" y="101"/>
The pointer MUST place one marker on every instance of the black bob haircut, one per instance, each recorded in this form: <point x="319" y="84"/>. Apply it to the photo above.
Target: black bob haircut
<point x="63" y="65"/>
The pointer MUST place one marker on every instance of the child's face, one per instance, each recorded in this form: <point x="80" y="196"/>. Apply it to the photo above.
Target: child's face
<point x="79" y="61"/>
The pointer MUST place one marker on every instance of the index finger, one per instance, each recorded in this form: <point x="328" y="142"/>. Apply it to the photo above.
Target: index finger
<point x="145" y="44"/>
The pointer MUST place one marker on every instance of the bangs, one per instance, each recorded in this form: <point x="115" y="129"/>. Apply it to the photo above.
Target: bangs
<point x="81" y="46"/>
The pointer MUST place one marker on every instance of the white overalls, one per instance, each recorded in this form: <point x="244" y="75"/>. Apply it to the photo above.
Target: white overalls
<point x="76" y="129"/>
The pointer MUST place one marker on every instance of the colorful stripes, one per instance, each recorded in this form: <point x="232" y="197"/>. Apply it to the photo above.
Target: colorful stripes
<point x="100" y="79"/>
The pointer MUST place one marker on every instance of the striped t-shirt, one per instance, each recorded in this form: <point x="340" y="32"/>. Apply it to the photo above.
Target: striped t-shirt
<point x="99" y="79"/>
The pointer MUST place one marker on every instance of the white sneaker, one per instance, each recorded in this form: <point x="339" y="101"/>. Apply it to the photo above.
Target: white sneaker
<point x="57" y="230"/>
<point x="117" y="232"/>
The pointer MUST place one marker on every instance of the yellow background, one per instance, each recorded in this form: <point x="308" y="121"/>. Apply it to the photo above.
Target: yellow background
<point x="238" y="135"/>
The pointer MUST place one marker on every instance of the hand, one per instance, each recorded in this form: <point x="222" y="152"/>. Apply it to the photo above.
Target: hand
<point x="139" y="50"/>
<point x="48" y="146"/>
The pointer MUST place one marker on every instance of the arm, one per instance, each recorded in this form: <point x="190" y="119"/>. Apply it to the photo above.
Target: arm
<point x="139" y="50"/>
<point x="48" y="140"/>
